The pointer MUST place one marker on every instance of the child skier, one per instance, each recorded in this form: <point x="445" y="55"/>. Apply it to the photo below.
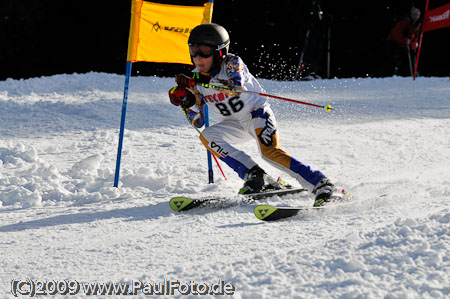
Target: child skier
<point x="243" y="115"/>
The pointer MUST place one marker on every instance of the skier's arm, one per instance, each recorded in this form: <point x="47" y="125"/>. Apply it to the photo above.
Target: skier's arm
<point x="235" y="72"/>
<point x="399" y="33"/>
<point x="196" y="115"/>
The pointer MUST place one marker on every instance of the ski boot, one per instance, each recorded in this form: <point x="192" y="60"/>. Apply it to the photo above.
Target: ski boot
<point x="324" y="191"/>
<point x="257" y="180"/>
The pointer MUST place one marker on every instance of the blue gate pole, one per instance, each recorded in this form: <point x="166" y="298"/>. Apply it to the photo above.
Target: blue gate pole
<point x="210" y="169"/>
<point x="122" y="122"/>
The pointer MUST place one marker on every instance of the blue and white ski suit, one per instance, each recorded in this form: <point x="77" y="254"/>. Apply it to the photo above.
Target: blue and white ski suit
<point x="244" y="116"/>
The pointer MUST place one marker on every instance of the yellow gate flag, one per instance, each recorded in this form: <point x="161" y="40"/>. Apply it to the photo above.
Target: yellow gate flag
<point x="159" y="32"/>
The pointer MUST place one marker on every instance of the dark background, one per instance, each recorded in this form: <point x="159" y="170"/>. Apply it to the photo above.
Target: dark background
<point x="46" y="37"/>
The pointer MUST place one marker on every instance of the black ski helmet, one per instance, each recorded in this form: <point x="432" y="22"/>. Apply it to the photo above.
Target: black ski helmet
<point x="213" y="35"/>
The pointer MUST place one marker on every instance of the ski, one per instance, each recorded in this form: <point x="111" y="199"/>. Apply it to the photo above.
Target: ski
<point x="272" y="213"/>
<point x="181" y="203"/>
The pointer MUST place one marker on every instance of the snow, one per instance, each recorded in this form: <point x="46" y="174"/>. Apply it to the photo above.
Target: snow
<point x="387" y="142"/>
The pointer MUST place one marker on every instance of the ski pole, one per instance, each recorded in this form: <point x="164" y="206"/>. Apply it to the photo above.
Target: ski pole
<point x="212" y="154"/>
<point x="300" y="64"/>
<point x="327" y="108"/>
<point x="410" y="61"/>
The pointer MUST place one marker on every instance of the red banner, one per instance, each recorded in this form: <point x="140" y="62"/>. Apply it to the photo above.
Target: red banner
<point x="437" y="18"/>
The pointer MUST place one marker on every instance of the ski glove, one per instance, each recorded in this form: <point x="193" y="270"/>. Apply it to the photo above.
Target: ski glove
<point x="187" y="82"/>
<point x="181" y="97"/>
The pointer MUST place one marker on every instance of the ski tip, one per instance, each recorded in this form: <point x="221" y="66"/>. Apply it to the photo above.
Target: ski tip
<point x="271" y="213"/>
<point x="262" y="212"/>
<point x="179" y="203"/>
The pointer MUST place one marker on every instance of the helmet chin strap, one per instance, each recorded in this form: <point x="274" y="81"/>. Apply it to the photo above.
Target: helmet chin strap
<point x="217" y="61"/>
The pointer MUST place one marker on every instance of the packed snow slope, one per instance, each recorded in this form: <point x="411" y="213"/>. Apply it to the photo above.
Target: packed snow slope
<point x="387" y="142"/>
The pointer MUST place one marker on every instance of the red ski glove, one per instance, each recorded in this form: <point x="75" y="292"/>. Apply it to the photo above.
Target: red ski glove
<point x="181" y="97"/>
<point x="186" y="82"/>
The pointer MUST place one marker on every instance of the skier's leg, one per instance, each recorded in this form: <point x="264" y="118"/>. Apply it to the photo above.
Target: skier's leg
<point x="217" y="139"/>
<point x="263" y="126"/>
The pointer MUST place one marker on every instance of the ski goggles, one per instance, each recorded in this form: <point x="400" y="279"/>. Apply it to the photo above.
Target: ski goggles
<point x="202" y="50"/>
